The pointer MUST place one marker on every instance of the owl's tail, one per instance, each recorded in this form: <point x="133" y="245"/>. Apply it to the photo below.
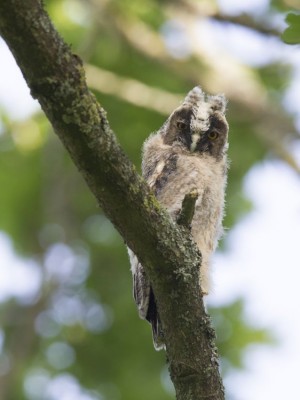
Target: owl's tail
<point x="153" y="318"/>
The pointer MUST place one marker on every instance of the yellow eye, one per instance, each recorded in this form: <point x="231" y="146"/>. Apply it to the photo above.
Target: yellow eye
<point x="181" y="125"/>
<point x="212" y="135"/>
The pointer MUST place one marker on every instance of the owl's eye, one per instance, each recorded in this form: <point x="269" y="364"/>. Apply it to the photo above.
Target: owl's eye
<point x="181" y="125"/>
<point x="212" y="135"/>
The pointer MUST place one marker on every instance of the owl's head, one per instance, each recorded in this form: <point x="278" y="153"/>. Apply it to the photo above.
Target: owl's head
<point x="199" y="125"/>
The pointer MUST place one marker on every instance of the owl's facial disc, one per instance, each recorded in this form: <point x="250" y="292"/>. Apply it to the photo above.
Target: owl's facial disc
<point x="199" y="125"/>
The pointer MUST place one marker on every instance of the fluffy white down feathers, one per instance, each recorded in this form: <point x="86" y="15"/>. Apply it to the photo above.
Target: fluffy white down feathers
<point x="188" y="152"/>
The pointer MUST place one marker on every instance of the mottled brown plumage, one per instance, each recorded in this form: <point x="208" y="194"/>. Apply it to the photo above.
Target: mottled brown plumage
<point x="188" y="152"/>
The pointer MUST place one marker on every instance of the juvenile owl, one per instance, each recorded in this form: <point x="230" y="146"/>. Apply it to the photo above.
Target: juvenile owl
<point x="188" y="152"/>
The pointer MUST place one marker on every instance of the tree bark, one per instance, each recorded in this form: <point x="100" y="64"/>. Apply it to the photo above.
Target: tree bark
<point x="56" y="78"/>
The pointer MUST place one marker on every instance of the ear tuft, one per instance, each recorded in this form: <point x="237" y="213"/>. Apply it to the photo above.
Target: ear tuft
<point x="218" y="102"/>
<point x="194" y="96"/>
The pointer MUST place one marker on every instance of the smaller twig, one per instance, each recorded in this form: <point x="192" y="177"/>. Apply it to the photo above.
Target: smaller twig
<point x="131" y="90"/>
<point x="247" y="22"/>
<point x="188" y="208"/>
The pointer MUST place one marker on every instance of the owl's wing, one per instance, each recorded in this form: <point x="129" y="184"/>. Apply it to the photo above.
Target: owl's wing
<point x="163" y="170"/>
<point x="145" y="300"/>
<point x="141" y="290"/>
<point x="157" y="175"/>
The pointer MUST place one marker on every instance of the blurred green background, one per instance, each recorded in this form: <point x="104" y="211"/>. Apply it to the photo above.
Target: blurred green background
<point x="77" y="326"/>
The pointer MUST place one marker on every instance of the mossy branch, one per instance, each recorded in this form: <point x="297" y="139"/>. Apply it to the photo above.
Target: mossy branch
<point x="57" y="79"/>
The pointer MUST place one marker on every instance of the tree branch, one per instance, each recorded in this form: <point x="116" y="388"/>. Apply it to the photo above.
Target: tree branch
<point x="131" y="90"/>
<point x="56" y="78"/>
<point x="188" y="208"/>
<point x="248" y="97"/>
<point x="247" y="21"/>
<point x="164" y="102"/>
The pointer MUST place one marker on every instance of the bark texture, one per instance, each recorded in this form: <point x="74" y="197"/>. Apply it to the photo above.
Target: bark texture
<point x="56" y="78"/>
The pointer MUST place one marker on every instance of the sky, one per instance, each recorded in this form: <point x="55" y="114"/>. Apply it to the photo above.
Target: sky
<point x="261" y="264"/>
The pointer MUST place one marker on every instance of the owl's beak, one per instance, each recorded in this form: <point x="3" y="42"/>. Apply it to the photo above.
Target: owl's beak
<point x="195" y="138"/>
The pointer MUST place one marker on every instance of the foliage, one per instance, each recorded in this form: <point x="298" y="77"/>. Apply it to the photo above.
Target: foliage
<point x="292" y="33"/>
<point x="81" y="326"/>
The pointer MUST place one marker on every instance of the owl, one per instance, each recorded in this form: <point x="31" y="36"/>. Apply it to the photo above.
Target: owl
<point x="188" y="152"/>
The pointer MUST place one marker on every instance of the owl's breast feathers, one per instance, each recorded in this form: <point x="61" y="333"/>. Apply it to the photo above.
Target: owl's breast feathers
<point x="172" y="173"/>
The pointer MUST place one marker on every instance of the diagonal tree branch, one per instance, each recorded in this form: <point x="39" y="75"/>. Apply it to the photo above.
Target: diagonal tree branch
<point x="131" y="90"/>
<point x="163" y="102"/>
<point x="247" y="98"/>
<point x="56" y="78"/>
<point x="247" y="21"/>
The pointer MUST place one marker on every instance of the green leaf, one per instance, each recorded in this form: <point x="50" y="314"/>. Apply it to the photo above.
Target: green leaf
<point x="292" y="33"/>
